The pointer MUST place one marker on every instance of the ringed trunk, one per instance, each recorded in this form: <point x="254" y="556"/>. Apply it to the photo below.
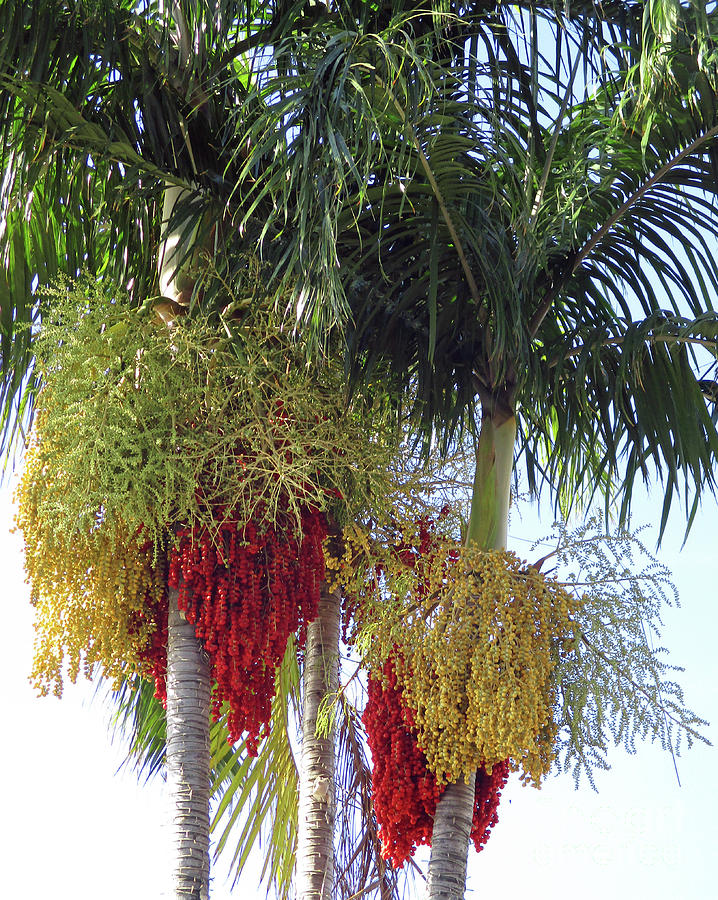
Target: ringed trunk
<point x="188" y="756"/>
<point x="488" y="529"/>
<point x="177" y="250"/>
<point x="188" y="674"/>
<point x="317" y="788"/>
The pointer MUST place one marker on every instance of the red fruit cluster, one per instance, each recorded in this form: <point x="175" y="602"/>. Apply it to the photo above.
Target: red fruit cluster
<point x="422" y="549"/>
<point x="414" y="545"/>
<point x="245" y="594"/>
<point x="405" y="792"/>
<point x="245" y="591"/>
<point x="486" y="802"/>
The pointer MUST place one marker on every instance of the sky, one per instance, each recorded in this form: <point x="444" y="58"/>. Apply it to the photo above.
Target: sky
<point x="79" y="829"/>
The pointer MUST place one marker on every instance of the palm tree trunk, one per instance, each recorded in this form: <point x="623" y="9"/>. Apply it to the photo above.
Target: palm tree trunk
<point x="317" y="790"/>
<point x="488" y="528"/>
<point x="450" y="841"/>
<point x="178" y="242"/>
<point x="188" y="758"/>
<point x="188" y="674"/>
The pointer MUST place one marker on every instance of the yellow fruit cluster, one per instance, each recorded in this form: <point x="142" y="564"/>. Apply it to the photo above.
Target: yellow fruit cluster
<point x="475" y="636"/>
<point x="342" y="555"/>
<point x="90" y="590"/>
<point x="477" y="670"/>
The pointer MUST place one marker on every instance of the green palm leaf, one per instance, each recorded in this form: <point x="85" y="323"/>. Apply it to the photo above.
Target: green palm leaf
<point x="500" y="230"/>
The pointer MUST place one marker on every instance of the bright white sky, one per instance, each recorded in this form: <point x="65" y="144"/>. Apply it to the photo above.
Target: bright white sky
<point x="79" y="830"/>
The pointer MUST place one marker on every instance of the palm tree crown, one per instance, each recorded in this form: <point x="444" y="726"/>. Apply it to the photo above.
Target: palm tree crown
<point x="521" y="215"/>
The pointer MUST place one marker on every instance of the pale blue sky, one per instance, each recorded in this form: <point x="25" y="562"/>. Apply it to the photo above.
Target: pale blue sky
<point x="80" y="831"/>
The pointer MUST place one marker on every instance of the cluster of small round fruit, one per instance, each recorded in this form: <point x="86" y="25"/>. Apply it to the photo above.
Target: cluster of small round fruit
<point x="478" y="659"/>
<point x="153" y="655"/>
<point x="405" y="792"/>
<point x="479" y="632"/>
<point x="93" y="590"/>
<point x="101" y="599"/>
<point x="246" y="591"/>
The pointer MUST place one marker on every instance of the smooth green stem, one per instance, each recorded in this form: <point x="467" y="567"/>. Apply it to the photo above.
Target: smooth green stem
<point x="489" y="517"/>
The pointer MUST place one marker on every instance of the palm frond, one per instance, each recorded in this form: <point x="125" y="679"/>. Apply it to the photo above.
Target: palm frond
<point x="257" y="796"/>
<point x="577" y="213"/>
<point x="360" y="869"/>
<point x="101" y="106"/>
<point x="139" y="719"/>
<point x="621" y="403"/>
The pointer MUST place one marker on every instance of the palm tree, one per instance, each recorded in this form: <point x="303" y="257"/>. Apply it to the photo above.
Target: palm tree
<point x="123" y="129"/>
<point x="124" y="153"/>
<point x="519" y="222"/>
<point x="436" y="179"/>
<point x="258" y="796"/>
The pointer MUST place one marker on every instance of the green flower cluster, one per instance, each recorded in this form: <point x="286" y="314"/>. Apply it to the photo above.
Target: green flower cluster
<point x="158" y="428"/>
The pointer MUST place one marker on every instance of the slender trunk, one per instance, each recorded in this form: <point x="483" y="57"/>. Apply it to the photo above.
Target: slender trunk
<point x="317" y="789"/>
<point x="488" y="527"/>
<point x="188" y="675"/>
<point x="178" y="242"/>
<point x="450" y="841"/>
<point x="188" y="760"/>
